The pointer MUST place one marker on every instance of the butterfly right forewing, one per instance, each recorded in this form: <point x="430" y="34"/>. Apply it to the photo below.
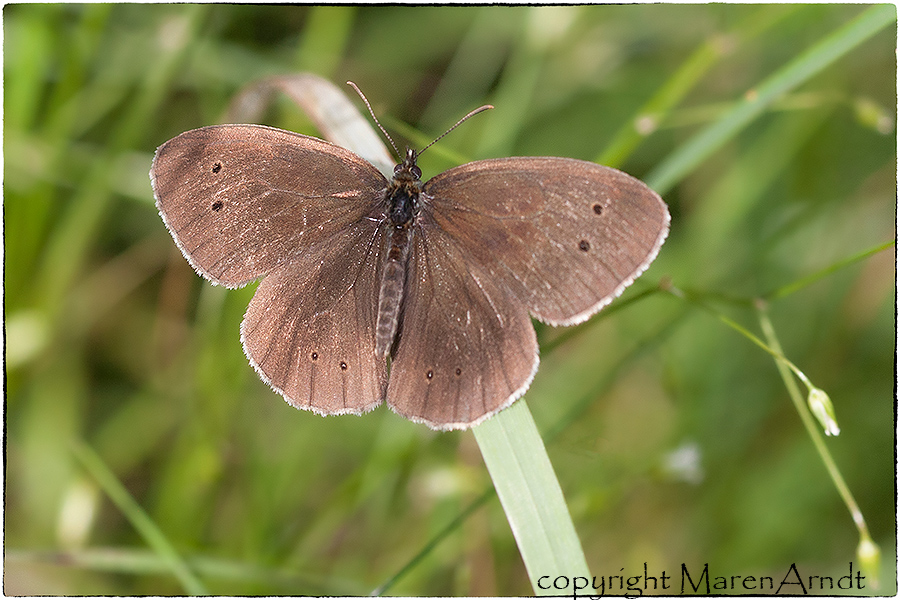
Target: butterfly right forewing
<point x="565" y="236"/>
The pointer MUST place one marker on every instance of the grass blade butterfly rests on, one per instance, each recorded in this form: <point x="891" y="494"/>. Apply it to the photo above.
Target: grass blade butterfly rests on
<point x="436" y="279"/>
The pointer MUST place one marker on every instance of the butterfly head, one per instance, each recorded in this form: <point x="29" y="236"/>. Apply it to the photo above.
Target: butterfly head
<point x="408" y="170"/>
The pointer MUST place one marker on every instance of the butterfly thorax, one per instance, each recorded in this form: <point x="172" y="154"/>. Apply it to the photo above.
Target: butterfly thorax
<point x="403" y="192"/>
<point x="402" y="198"/>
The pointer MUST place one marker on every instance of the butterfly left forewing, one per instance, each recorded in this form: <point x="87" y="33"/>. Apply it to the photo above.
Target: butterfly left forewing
<point x="240" y="199"/>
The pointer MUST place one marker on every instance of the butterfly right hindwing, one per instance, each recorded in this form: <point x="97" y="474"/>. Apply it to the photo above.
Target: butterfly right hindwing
<point x="467" y="349"/>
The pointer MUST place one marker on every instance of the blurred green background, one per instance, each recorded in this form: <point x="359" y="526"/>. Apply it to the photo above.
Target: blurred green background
<point x="114" y="344"/>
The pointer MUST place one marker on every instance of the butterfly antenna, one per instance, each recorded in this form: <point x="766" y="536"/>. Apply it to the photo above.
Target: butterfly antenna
<point x="372" y="112"/>
<point x="458" y="123"/>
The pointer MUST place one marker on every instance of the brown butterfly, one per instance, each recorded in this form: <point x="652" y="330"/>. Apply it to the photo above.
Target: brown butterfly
<point x="418" y="294"/>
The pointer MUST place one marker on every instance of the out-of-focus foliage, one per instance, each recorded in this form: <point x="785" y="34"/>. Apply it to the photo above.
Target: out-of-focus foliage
<point x="683" y="447"/>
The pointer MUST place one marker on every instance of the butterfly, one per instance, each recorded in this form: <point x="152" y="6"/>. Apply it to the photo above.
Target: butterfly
<point x="417" y="294"/>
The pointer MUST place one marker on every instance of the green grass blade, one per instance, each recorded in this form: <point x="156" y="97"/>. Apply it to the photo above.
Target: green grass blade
<point x="325" y="39"/>
<point x="434" y="542"/>
<point x="531" y="497"/>
<point x="141" y="521"/>
<point x="128" y="561"/>
<point x="792" y="287"/>
<point x="70" y="245"/>
<point x="692" y="70"/>
<point x="809" y="63"/>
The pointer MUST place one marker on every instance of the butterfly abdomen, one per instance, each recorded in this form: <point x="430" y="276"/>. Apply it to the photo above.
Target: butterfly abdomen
<point x="390" y="295"/>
